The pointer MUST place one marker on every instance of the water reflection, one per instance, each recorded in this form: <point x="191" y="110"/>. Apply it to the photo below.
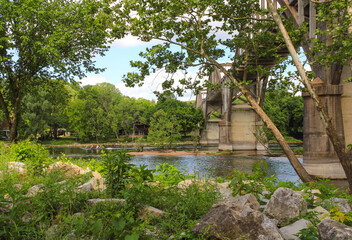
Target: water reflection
<point x="201" y="165"/>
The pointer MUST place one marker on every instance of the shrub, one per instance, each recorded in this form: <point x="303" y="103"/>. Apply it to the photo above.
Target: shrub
<point x="35" y="156"/>
<point x="116" y="170"/>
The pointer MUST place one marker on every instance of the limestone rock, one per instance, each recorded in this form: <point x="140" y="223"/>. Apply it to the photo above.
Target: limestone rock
<point x="341" y="203"/>
<point x="223" y="189"/>
<point x="33" y="191"/>
<point x="87" y="187"/>
<point x="53" y="232"/>
<point x="70" y="170"/>
<point x="148" y="211"/>
<point x="322" y="213"/>
<point x="289" y="230"/>
<point x="92" y="202"/>
<point x="18" y="186"/>
<point x="234" y="218"/>
<point x="329" y="229"/>
<point x="186" y="183"/>
<point x="27" y="217"/>
<point x="285" y="204"/>
<point x="17" y="166"/>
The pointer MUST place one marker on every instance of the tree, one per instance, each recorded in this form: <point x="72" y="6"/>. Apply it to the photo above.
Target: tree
<point x="43" y="108"/>
<point x="186" y="115"/>
<point x="164" y="129"/>
<point x="192" y="27"/>
<point x="42" y="40"/>
<point x="337" y="32"/>
<point x="286" y="111"/>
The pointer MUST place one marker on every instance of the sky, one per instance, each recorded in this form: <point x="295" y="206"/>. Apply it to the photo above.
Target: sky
<point x="117" y="63"/>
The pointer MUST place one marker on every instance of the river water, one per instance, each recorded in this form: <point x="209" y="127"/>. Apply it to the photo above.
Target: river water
<point x="201" y="165"/>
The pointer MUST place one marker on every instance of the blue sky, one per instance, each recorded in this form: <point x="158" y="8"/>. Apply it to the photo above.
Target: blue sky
<point x="117" y="63"/>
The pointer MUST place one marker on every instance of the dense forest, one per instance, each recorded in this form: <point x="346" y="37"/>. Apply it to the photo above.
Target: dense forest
<point x="102" y="113"/>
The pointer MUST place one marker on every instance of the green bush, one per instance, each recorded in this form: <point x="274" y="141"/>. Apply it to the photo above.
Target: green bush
<point x="35" y="156"/>
<point x="116" y="171"/>
<point x="170" y="175"/>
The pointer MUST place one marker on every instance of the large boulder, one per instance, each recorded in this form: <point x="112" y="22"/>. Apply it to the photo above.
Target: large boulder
<point x="329" y="229"/>
<point x="342" y="204"/>
<point x="285" y="204"/>
<point x="70" y="170"/>
<point x="289" y="231"/>
<point x="234" y="218"/>
<point x="93" y="184"/>
<point x="149" y="211"/>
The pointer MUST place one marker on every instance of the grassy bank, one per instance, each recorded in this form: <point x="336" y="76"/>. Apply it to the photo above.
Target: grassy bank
<point x="59" y="211"/>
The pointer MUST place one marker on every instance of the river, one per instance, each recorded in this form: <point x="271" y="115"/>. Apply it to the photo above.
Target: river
<point x="201" y="165"/>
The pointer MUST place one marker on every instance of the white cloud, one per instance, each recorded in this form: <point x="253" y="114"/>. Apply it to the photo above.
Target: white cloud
<point x="154" y="83"/>
<point x="92" y="80"/>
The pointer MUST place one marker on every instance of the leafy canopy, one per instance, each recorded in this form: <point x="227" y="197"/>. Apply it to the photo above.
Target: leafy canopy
<point x="199" y="34"/>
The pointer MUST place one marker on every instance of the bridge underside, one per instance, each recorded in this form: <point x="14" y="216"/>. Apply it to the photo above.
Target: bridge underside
<point x="236" y="135"/>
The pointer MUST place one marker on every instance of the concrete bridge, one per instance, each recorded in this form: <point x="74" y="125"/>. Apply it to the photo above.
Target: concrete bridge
<point x="235" y="129"/>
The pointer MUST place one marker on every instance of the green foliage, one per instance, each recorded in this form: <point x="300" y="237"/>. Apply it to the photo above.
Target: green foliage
<point x="286" y="111"/>
<point x="40" y="41"/>
<point x="35" y="156"/>
<point x="116" y="171"/>
<point x="298" y="151"/>
<point x="106" y="221"/>
<point x="186" y="115"/>
<point x="243" y="183"/>
<point x="309" y="233"/>
<point x="43" y="110"/>
<point x="100" y="112"/>
<point x="339" y="216"/>
<point x="170" y="175"/>
<point x="164" y="129"/>
<point x="349" y="146"/>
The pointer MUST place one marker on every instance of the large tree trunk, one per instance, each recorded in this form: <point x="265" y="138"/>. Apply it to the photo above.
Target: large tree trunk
<point x="14" y="119"/>
<point x="326" y="120"/>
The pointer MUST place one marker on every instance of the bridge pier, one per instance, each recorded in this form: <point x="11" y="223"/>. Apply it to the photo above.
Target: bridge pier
<point x="319" y="157"/>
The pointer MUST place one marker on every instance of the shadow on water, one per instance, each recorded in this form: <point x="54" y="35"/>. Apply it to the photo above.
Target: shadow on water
<point x="200" y="165"/>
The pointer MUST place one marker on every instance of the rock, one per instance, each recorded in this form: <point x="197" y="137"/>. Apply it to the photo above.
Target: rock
<point x="97" y="175"/>
<point x="87" y="187"/>
<point x="241" y="201"/>
<point x="342" y="204"/>
<point x="148" y="211"/>
<point x="285" y="204"/>
<point x="234" y="218"/>
<point x="93" y="184"/>
<point x="322" y="213"/>
<point x="223" y="189"/>
<point x="329" y="229"/>
<point x="70" y="170"/>
<point x="53" y="232"/>
<point x="33" y="191"/>
<point x="289" y="230"/>
<point x="93" y="202"/>
<point x="186" y="183"/>
<point x="27" y="217"/>
<point x="18" y="186"/>
<point x="17" y="166"/>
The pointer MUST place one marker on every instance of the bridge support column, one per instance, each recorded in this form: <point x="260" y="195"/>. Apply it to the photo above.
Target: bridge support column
<point x="319" y="157"/>
<point x="225" y="123"/>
